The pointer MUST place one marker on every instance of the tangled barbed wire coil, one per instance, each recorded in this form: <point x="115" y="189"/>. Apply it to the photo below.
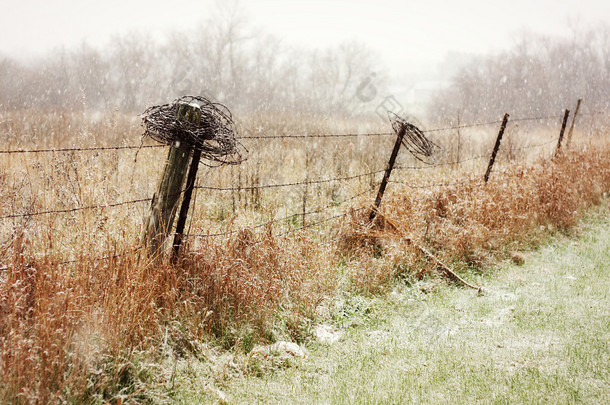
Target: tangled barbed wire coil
<point x="211" y="129"/>
<point x="414" y="139"/>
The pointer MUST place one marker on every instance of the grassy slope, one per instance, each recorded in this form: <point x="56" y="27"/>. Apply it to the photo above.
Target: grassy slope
<point x="540" y="334"/>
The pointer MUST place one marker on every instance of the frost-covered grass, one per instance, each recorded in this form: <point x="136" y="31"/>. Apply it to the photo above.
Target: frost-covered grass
<point x="540" y="334"/>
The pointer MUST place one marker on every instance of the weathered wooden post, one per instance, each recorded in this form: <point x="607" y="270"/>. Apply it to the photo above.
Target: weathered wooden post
<point x="563" y="128"/>
<point x="190" y="125"/>
<point x="165" y="201"/>
<point x="188" y="191"/>
<point x="492" y="159"/>
<point x="569" y="140"/>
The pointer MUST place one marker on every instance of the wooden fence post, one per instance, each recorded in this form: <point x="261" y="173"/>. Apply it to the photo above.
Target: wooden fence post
<point x="563" y="128"/>
<point x="186" y="202"/>
<point x="165" y="200"/>
<point x="492" y="159"/>
<point x="569" y="140"/>
<point x="388" y="171"/>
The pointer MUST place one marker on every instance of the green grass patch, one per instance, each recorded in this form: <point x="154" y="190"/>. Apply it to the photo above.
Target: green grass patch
<point x="540" y="334"/>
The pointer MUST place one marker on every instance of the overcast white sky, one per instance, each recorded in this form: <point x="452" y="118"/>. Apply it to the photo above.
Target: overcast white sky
<point x="410" y="36"/>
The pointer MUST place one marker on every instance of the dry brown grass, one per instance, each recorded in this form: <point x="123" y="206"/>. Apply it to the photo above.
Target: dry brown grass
<point x="470" y="223"/>
<point x="73" y="331"/>
<point x="95" y="330"/>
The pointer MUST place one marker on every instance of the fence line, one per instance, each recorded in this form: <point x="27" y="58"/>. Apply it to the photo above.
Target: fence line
<point x="239" y="189"/>
<point x="304" y="136"/>
<point x="273" y="186"/>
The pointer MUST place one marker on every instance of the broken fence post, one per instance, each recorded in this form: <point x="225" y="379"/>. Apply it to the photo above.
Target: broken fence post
<point x="492" y="159"/>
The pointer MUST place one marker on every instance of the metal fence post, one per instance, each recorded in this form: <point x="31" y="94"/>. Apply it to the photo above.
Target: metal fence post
<point x="492" y="159"/>
<point x="388" y="171"/>
<point x="563" y="128"/>
<point x="569" y="140"/>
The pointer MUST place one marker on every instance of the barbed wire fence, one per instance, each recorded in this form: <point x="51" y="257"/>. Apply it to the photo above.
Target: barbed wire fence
<point x="332" y="211"/>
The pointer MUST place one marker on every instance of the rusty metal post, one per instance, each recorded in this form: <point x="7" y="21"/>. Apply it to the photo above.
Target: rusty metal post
<point x="388" y="171"/>
<point x="569" y="140"/>
<point x="492" y="159"/>
<point x="563" y="128"/>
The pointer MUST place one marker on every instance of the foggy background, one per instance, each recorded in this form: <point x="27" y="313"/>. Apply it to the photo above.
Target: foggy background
<point x="440" y="61"/>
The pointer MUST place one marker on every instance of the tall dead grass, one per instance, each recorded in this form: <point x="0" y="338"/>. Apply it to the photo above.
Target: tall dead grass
<point x="75" y="332"/>
<point x="96" y="330"/>
<point x="470" y="223"/>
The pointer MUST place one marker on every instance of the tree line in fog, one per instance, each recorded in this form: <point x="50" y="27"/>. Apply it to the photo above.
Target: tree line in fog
<point x="229" y="61"/>
<point x="226" y="60"/>
<point x="539" y="76"/>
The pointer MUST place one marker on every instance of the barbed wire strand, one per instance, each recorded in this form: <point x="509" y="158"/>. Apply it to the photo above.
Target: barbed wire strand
<point x="548" y="117"/>
<point x="68" y="210"/>
<point x="300" y="183"/>
<point x="304" y="136"/>
<point x="464" y="126"/>
<point x="285" y="218"/>
<point x="539" y="145"/>
<point x="97" y="259"/>
<point x="434" y="185"/>
<point x="91" y="149"/>
<point x="320" y="222"/>
<point x="435" y="165"/>
<point x="482" y="124"/>
<point x="473" y="181"/>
